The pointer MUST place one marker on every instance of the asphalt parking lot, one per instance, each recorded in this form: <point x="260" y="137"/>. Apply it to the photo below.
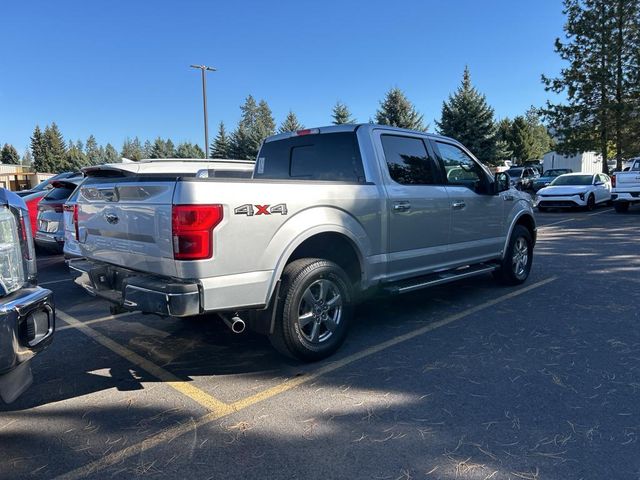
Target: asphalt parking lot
<point x="468" y="380"/>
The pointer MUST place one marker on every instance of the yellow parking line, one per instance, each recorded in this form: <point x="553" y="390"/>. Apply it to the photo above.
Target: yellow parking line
<point x="209" y="402"/>
<point x="184" y="428"/>
<point x="99" y="320"/>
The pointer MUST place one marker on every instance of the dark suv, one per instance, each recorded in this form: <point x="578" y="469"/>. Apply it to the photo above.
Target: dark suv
<point x="27" y="312"/>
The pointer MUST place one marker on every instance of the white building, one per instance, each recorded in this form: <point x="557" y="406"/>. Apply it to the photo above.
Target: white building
<point x="588" y="162"/>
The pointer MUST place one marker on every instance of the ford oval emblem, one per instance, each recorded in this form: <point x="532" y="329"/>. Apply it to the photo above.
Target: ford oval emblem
<point x="111" y="218"/>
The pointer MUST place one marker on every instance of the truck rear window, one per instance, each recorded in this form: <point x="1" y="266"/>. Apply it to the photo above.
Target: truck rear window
<point x="327" y="156"/>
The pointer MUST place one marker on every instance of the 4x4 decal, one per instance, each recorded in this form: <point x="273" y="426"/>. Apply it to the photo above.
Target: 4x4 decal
<point x="248" y="209"/>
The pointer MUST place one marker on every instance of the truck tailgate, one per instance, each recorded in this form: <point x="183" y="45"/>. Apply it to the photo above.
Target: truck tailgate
<point x="127" y="222"/>
<point x="627" y="182"/>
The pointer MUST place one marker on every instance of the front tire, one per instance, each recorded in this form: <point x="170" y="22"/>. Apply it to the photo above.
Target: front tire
<point x="621" y="207"/>
<point x="516" y="264"/>
<point x="591" y="203"/>
<point x="314" y="310"/>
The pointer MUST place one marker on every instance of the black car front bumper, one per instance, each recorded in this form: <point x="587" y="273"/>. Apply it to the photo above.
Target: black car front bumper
<point x="27" y="323"/>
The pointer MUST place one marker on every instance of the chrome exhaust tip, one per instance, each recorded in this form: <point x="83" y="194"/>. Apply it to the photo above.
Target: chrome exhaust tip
<point x="235" y="323"/>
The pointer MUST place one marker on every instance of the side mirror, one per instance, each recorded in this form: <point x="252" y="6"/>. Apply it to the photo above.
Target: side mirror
<point x="501" y="183"/>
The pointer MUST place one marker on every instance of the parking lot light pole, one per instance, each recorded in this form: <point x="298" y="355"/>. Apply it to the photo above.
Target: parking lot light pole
<point x="204" y="69"/>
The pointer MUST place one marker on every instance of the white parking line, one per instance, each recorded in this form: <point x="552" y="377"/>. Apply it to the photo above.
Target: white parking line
<point x="43" y="284"/>
<point x="573" y="218"/>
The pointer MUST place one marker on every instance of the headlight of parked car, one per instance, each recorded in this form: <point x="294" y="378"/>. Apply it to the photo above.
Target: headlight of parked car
<point x="12" y="266"/>
<point x="582" y="196"/>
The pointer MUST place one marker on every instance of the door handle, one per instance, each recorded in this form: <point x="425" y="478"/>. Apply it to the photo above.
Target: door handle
<point x="458" y="205"/>
<point x="402" y="206"/>
<point x="507" y="198"/>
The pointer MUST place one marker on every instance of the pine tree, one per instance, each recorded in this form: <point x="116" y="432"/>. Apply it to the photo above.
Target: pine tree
<point x="162" y="149"/>
<point x="221" y="147"/>
<point x="341" y="114"/>
<point x="27" y="158"/>
<point x="75" y="158"/>
<point x="521" y="140"/>
<point x="290" y="124"/>
<point x="396" y="110"/>
<point x="92" y="151"/>
<point x="132" y="149"/>
<point x="468" y="118"/>
<point x="9" y="155"/>
<point x="503" y="140"/>
<point x="147" y="148"/>
<point x="54" y="150"/>
<point x="188" y="150"/>
<point x="243" y="139"/>
<point x="265" y="126"/>
<point x="542" y="141"/>
<point x="600" y="79"/>
<point x="111" y="154"/>
<point x="37" y="149"/>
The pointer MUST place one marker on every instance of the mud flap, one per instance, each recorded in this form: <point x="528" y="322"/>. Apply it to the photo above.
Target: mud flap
<point x="14" y="383"/>
<point x="263" y="321"/>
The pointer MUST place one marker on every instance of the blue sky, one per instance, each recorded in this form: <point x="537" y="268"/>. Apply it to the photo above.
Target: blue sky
<point x="121" y="68"/>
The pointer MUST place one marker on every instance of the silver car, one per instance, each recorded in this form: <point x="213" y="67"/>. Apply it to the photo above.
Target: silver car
<point x="50" y="233"/>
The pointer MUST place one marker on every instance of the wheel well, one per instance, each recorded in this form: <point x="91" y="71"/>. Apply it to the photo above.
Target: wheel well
<point x="331" y="246"/>
<point x="529" y="223"/>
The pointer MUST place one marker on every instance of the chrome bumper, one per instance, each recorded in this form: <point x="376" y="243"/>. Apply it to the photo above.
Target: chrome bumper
<point x="27" y="324"/>
<point x="136" y="291"/>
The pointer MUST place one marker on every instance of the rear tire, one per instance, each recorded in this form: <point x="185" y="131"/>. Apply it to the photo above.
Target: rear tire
<point x="516" y="264"/>
<point x="621" y="207"/>
<point x="314" y="311"/>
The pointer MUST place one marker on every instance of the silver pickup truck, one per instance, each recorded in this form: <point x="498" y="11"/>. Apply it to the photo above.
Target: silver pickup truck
<point x="626" y="187"/>
<point x="329" y="216"/>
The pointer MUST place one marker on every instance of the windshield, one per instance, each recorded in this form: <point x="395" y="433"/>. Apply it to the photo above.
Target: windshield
<point x="514" y="172"/>
<point x="556" y="172"/>
<point x="573" y="180"/>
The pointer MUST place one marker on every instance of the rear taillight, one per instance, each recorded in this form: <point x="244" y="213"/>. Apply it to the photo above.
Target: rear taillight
<point x="192" y="227"/>
<point x="73" y="210"/>
<point x="613" y="180"/>
<point x="26" y="253"/>
<point x="75" y="222"/>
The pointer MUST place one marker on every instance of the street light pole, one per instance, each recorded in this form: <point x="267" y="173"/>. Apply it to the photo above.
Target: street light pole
<point x="203" y="70"/>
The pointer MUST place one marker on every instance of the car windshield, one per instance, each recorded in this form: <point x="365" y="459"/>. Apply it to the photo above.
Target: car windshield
<point x="514" y="172"/>
<point x="573" y="180"/>
<point x="555" y="173"/>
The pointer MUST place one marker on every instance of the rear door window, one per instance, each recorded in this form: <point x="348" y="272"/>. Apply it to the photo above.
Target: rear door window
<point x="408" y="161"/>
<point x="327" y="156"/>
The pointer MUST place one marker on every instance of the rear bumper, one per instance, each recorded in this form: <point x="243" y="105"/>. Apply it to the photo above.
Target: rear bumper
<point x="136" y="291"/>
<point x="49" y="240"/>
<point x="27" y="324"/>
<point x="630" y="197"/>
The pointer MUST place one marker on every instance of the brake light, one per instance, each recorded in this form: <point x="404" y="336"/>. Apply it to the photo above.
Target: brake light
<point x="308" y="131"/>
<point x="73" y="209"/>
<point x="193" y="227"/>
<point x="613" y="180"/>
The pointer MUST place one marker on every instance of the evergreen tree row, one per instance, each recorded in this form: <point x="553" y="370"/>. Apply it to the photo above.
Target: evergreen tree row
<point x="466" y="116"/>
